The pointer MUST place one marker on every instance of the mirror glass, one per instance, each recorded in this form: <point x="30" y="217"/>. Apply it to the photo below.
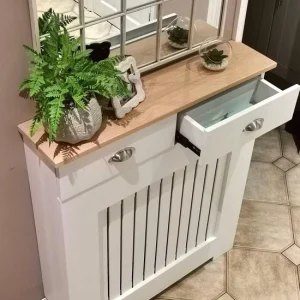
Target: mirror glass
<point x="141" y="24"/>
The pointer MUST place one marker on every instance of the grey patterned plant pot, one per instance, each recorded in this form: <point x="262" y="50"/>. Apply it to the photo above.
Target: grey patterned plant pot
<point x="79" y="125"/>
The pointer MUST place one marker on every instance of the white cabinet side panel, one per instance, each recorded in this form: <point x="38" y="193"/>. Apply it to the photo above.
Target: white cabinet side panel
<point x="48" y="222"/>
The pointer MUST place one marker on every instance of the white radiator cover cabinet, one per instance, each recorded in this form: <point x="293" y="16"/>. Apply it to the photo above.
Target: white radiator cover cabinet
<point x="127" y="231"/>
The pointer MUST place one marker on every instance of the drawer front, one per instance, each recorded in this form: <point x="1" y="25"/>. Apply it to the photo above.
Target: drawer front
<point x="207" y="127"/>
<point x="97" y="167"/>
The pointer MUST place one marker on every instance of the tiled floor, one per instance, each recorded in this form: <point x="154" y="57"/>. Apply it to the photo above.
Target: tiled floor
<point x="265" y="260"/>
<point x="98" y="32"/>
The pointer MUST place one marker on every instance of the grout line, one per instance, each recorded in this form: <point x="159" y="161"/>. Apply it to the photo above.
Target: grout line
<point x="286" y="188"/>
<point x="266" y="202"/>
<point x="288" y="259"/>
<point x="280" y="142"/>
<point x="288" y="247"/>
<point x="292" y="224"/>
<point x="227" y="271"/>
<point x="263" y="250"/>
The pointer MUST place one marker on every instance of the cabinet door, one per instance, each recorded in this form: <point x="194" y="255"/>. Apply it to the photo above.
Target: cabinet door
<point x="284" y="45"/>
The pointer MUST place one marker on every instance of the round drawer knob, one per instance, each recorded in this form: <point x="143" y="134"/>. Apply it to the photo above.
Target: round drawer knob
<point x="255" y="125"/>
<point x="122" y="155"/>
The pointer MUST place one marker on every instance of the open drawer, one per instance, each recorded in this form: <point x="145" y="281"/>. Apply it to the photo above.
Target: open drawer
<point x="224" y="122"/>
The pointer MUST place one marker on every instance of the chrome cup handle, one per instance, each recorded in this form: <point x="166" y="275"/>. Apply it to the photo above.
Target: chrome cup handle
<point x="255" y="125"/>
<point x="122" y="155"/>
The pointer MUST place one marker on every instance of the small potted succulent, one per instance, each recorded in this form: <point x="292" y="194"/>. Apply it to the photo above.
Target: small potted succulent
<point x="215" y="53"/>
<point x="178" y="32"/>
<point x="64" y="83"/>
<point x="214" y="60"/>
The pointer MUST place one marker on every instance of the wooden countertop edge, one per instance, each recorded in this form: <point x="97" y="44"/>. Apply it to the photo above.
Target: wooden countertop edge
<point x="32" y="143"/>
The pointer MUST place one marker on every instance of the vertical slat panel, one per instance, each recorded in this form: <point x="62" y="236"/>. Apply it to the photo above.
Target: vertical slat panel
<point x="208" y="186"/>
<point x="152" y="222"/>
<point x="127" y="242"/>
<point x="103" y="267"/>
<point x="217" y="194"/>
<point x="196" y="205"/>
<point x="165" y="200"/>
<point x="185" y="209"/>
<point x="114" y="252"/>
<point x="174" y="215"/>
<point x="139" y="235"/>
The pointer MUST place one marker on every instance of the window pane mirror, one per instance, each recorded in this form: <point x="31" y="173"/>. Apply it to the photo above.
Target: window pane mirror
<point x="154" y="32"/>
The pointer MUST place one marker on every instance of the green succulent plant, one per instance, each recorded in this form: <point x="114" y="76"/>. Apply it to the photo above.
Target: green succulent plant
<point x="214" y="56"/>
<point x="178" y="35"/>
<point x="64" y="77"/>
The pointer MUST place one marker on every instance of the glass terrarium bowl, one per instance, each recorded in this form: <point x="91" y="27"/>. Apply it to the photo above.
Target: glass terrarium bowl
<point x="178" y="32"/>
<point x="216" y="54"/>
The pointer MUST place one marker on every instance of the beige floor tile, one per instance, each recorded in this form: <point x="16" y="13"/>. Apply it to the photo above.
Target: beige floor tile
<point x="264" y="226"/>
<point x="296" y="223"/>
<point x="206" y="283"/>
<point x="293" y="185"/>
<point x="59" y="6"/>
<point x="289" y="147"/>
<point x="284" y="164"/>
<point x="293" y="254"/>
<point x="265" y="183"/>
<point x="257" y="275"/>
<point x="267" y="148"/>
<point x="225" y="297"/>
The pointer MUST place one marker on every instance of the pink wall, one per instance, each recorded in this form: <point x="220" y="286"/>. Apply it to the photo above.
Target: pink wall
<point x="20" y="276"/>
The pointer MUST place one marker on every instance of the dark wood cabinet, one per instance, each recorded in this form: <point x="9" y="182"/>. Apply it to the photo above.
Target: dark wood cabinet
<point x="273" y="28"/>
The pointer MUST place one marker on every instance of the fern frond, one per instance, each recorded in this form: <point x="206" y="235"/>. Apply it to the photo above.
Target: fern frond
<point x="55" y="114"/>
<point x="66" y="20"/>
<point x="36" y="123"/>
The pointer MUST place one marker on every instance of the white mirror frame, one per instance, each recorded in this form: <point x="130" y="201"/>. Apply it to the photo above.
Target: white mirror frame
<point x="232" y="21"/>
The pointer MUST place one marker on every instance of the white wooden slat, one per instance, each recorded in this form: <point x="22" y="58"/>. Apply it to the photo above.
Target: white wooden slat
<point x="151" y="235"/>
<point x="208" y="186"/>
<point x="174" y="215"/>
<point x="139" y="235"/>
<point x="103" y="254"/>
<point x="127" y="242"/>
<point x="196" y="206"/>
<point x="216" y="197"/>
<point x="185" y="209"/>
<point x="114" y="250"/>
<point x="165" y="200"/>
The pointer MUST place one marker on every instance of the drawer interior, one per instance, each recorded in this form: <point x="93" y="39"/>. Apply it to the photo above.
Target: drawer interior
<point x="232" y="102"/>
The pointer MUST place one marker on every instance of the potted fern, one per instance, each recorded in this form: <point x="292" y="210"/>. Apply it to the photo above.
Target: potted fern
<point x="64" y="83"/>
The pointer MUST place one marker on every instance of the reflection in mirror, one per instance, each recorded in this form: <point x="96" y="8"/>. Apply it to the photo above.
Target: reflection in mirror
<point x="101" y="32"/>
<point x="62" y="7"/>
<point x="100" y="8"/>
<point x="140" y="37"/>
<point x="143" y="40"/>
<point x="175" y="36"/>
<point x="208" y="14"/>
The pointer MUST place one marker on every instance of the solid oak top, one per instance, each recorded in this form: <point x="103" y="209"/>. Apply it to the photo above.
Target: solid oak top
<point x="168" y="91"/>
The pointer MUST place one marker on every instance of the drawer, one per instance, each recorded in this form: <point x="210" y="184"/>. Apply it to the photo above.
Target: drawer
<point x="97" y="167"/>
<point x="237" y="116"/>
